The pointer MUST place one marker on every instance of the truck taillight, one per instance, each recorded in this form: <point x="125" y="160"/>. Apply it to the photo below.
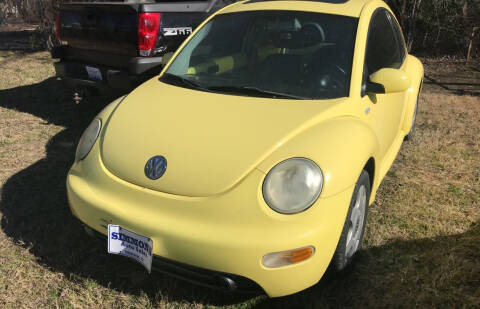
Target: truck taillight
<point x="57" y="27"/>
<point x="148" y="27"/>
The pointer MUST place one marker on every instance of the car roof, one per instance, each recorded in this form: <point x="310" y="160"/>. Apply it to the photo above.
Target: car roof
<point x="351" y="8"/>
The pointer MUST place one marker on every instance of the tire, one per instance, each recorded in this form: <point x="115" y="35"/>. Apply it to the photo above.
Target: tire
<point x="409" y="136"/>
<point x="352" y="233"/>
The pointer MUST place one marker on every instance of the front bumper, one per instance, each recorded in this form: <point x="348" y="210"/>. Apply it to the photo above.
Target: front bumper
<point x="228" y="233"/>
<point x="205" y="277"/>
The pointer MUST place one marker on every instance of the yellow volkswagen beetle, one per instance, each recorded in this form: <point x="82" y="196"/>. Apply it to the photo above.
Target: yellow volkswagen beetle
<point x="250" y="162"/>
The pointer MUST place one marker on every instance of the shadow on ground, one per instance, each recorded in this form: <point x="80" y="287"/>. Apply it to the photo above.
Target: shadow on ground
<point x="35" y="209"/>
<point x="36" y="215"/>
<point x="455" y="87"/>
<point x="454" y="77"/>
<point x="400" y="274"/>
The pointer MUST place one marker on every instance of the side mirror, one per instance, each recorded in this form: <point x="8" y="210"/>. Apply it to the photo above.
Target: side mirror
<point x="388" y="81"/>
<point x="166" y="57"/>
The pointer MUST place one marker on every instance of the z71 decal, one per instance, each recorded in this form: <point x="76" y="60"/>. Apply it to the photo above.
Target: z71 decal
<point x="177" y="31"/>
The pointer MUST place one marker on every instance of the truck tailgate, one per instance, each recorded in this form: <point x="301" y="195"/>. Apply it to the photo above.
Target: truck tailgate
<point x="110" y="28"/>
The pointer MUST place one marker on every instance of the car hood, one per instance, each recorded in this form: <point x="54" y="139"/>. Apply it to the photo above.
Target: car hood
<point x="210" y="141"/>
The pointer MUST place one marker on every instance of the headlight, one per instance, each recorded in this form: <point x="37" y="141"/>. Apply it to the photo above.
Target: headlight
<point x="88" y="139"/>
<point x="292" y="185"/>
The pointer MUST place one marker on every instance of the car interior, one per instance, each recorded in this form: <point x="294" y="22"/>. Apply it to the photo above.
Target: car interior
<point x="307" y="54"/>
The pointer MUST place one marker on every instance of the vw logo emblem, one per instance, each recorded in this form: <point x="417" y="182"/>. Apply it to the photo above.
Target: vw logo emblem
<point x="155" y="167"/>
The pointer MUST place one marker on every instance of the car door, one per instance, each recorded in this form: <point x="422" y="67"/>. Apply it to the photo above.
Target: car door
<point x="385" y="49"/>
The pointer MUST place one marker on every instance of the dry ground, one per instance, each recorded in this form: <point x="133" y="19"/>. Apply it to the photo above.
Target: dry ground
<point x="422" y="244"/>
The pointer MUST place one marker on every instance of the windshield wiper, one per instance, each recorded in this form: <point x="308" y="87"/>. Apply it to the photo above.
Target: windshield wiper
<point x="178" y="80"/>
<point x="253" y="90"/>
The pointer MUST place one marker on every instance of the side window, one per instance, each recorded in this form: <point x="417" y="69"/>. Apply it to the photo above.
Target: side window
<point x="382" y="45"/>
<point x="398" y="35"/>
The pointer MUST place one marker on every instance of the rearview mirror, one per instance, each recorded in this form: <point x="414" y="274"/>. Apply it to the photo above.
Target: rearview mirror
<point x="388" y="80"/>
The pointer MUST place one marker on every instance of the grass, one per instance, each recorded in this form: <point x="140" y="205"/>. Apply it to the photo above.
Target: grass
<point x="422" y="243"/>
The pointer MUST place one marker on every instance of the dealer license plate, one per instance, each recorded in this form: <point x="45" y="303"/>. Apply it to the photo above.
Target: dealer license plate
<point x="127" y="243"/>
<point x="93" y="73"/>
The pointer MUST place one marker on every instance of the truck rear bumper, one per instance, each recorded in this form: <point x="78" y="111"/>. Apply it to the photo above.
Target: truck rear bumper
<point x="75" y="74"/>
<point x="118" y="73"/>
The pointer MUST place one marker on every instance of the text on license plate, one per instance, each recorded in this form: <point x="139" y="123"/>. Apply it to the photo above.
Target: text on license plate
<point x="127" y="243"/>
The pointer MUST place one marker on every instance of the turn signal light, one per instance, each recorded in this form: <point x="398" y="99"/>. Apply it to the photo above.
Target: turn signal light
<point x="289" y="257"/>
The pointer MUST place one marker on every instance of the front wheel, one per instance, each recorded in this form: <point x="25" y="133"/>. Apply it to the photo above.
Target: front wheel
<point x="352" y="234"/>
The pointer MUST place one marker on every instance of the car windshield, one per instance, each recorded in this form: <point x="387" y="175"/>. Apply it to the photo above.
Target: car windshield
<point x="277" y="54"/>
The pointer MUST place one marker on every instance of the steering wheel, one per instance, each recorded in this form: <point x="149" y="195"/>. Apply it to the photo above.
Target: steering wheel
<point x="313" y="32"/>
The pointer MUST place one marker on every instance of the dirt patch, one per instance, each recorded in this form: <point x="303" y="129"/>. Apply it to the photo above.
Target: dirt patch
<point x="12" y="26"/>
<point x="452" y="76"/>
<point x="21" y="37"/>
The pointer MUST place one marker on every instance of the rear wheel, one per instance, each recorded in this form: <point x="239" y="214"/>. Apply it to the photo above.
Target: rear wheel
<point x="409" y="136"/>
<point x="352" y="234"/>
